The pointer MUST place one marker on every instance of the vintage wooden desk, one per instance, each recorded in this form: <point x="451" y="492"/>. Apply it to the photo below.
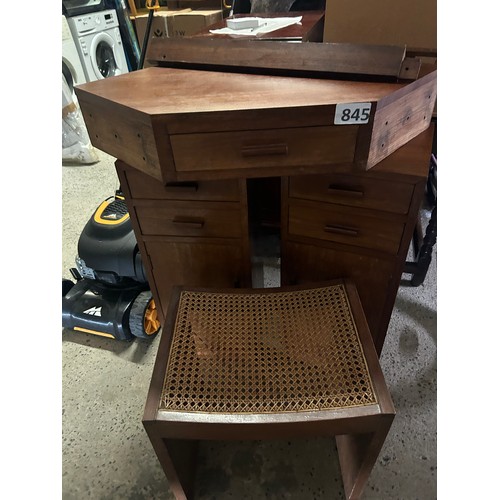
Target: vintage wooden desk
<point x="188" y="141"/>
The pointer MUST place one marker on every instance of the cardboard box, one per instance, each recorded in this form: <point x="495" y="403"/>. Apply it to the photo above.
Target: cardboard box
<point x="162" y="24"/>
<point x="196" y="4"/>
<point x="383" y="22"/>
<point x="138" y="7"/>
<point x="189" y="23"/>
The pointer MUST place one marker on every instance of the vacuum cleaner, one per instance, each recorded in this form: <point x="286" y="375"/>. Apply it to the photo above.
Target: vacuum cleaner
<point x="110" y="296"/>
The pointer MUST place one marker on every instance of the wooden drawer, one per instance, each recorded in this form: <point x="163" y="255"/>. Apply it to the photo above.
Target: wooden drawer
<point x="143" y="186"/>
<point x="196" y="218"/>
<point x="356" y="191"/>
<point x="264" y="148"/>
<point x="343" y="225"/>
<point x="232" y="121"/>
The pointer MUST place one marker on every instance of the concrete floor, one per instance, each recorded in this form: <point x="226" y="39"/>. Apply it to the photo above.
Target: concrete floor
<point x="107" y="455"/>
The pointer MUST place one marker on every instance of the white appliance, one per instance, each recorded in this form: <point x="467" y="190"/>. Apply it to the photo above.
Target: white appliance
<point x="72" y="68"/>
<point x="99" y="44"/>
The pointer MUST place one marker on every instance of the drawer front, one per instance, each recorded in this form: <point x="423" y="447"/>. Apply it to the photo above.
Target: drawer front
<point x="336" y="223"/>
<point x="145" y="187"/>
<point x="356" y="191"/>
<point x="264" y="148"/>
<point x="199" y="219"/>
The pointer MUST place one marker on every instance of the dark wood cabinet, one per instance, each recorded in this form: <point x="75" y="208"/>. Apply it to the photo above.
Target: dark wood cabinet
<point x="335" y="225"/>
<point x="199" y="153"/>
<point x="357" y="225"/>
<point x="189" y="233"/>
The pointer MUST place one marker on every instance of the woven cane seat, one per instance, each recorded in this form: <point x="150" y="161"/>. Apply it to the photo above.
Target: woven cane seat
<point x="258" y="364"/>
<point x="250" y="352"/>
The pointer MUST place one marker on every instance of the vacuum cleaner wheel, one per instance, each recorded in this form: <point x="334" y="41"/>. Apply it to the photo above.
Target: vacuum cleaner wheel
<point x="143" y="319"/>
<point x="67" y="285"/>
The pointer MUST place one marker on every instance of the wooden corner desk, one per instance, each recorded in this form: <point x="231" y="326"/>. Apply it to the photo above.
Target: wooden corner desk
<point x="189" y="142"/>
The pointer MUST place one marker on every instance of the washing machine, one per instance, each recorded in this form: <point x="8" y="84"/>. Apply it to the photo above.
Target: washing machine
<point x="72" y="68"/>
<point x="99" y="44"/>
<point x="79" y="7"/>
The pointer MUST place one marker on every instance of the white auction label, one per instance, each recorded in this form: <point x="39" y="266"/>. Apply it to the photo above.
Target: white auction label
<point x="352" y="113"/>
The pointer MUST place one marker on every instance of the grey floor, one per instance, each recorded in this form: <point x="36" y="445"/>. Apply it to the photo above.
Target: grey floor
<point x="106" y="453"/>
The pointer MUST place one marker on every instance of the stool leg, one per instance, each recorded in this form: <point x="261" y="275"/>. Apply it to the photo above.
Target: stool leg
<point x="357" y="456"/>
<point x="178" y="460"/>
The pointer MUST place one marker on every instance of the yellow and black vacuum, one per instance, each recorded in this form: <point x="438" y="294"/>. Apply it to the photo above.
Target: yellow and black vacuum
<point x="110" y="295"/>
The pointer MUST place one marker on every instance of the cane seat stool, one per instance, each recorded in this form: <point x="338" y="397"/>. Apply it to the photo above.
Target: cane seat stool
<point x="269" y="363"/>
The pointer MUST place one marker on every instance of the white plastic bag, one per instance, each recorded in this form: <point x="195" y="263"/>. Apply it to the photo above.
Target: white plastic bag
<point x="76" y="145"/>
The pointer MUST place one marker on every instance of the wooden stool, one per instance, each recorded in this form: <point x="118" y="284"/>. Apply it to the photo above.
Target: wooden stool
<point x="272" y="363"/>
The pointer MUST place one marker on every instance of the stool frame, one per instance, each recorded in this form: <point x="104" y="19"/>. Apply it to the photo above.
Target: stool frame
<point x="360" y="432"/>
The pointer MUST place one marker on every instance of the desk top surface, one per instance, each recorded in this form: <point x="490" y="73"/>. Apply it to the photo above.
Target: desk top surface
<point x="164" y="91"/>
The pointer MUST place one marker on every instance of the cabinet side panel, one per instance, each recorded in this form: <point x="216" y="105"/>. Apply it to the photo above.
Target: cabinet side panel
<point x="195" y="263"/>
<point x="121" y="132"/>
<point x="408" y="113"/>
<point x="122" y="170"/>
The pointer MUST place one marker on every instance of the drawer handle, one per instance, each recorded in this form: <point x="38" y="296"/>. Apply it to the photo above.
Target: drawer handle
<point x="265" y="149"/>
<point x="191" y="222"/>
<point x="188" y="187"/>
<point x="342" y="191"/>
<point x="348" y="231"/>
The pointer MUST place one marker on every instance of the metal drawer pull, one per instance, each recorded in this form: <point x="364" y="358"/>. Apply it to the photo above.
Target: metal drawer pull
<point x="191" y="222"/>
<point x="265" y="149"/>
<point x="188" y="187"/>
<point x="348" y="231"/>
<point x="343" y="191"/>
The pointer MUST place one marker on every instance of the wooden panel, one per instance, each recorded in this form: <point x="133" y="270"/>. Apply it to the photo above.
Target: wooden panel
<point x="242" y="55"/>
<point x="357" y="191"/>
<point x="302" y="263"/>
<point x="401" y="117"/>
<point x="193" y="218"/>
<point x="178" y="262"/>
<point x="343" y="225"/>
<point x="252" y="119"/>
<point x="122" y="133"/>
<point x="167" y="91"/>
<point x="143" y="186"/>
<point x="264" y="148"/>
<point x="409" y="163"/>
